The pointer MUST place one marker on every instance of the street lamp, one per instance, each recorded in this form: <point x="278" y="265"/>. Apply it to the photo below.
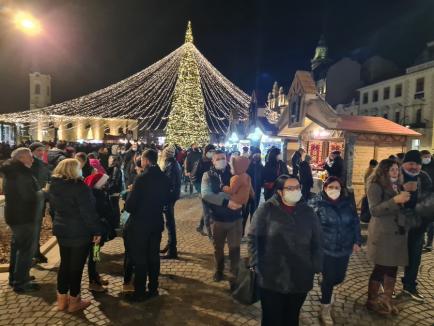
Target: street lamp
<point x="27" y="23"/>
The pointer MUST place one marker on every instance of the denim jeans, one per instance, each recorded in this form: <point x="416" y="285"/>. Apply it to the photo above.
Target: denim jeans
<point x="169" y="213"/>
<point x="415" y="244"/>
<point x="22" y="249"/>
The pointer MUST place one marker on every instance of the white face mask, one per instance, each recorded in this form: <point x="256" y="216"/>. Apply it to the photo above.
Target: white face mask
<point x="426" y="160"/>
<point x="291" y="197"/>
<point x="220" y="165"/>
<point x="80" y="172"/>
<point x="209" y="155"/>
<point x="279" y="157"/>
<point x="393" y="180"/>
<point x="333" y="193"/>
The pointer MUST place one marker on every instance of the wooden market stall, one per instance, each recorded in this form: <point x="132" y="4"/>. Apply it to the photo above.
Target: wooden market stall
<point x="320" y="130"/>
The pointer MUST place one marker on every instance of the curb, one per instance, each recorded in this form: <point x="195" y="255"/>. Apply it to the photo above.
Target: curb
<point x="45" y="248"/>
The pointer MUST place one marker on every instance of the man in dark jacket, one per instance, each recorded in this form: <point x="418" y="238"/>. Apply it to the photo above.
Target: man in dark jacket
<point x="56" y="154"/>
<point x="193" y="156"/>
<point x="145" y="203"/>
<point x="23" y="208"/>
<point x="296" y="159"/>
<point x="172" y="170"/>
<point x="419" y="184"/>
<point x="334" y="165"/>
<point x="202" y="166"/>
<point x="225" y="214"/>
<point x="42" y="174"/>
<point x="306" y="179"/>
<point x="428" y="167"/>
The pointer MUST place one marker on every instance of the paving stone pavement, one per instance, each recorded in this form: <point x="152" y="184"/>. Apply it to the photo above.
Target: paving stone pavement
<point x="188" y="296"/>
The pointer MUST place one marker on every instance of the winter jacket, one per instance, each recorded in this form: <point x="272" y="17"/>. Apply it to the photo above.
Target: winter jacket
<point x="340" y="224"/>
<point x="215" y="200"/>
<point x="22" y="193"/>
<point x="387" y="235"/>
<point x="255" y="171"/>
<point x="172" y="170"/>
<point x="41" y="172"/>
<point x="429" y="169"/>
<point x="145" y="204"/>
<point x="337" y="168"/>
<point x="87" y="170"/>
<point x="75" y="219"/>
<point x="201" y="166"/>
<point x="55" y="155"/>
<point x="115" y="182"/>
<point x="285" y="249"/>
<point x="295" y="162"/>
<point x="273" y="170"/>
<point x="192" y="158"/>
<point x="306" y="178"/>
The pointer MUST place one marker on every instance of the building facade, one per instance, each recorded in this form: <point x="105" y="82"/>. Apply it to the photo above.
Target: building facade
<point x="39" y="90"/>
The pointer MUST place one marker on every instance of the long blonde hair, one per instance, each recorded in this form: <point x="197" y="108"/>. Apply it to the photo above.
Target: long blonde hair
<point x="67" y="169"/>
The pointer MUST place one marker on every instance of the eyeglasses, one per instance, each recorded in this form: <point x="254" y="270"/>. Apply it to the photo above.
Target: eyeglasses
<point x="292" y="188"/>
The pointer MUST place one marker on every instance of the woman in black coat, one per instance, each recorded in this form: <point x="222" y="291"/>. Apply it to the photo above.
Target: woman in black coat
<point x="76" y="225"/>
<point x="274" y="167"/>
<point x="285" y="252"/>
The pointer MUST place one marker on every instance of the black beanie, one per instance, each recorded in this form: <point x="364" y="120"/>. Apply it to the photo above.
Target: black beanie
<point x="413" y="156"/>
<point x="36" y="145"/>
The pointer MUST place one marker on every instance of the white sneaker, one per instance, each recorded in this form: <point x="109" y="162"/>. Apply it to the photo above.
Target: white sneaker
<point x="325" y="315"/>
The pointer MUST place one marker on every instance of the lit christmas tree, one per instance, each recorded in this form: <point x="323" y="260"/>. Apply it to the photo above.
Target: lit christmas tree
<point x="187" y="121"/>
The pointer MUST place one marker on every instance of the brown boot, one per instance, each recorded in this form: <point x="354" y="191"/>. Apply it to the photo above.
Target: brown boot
<point x="76" y="304"/>
<point x="62" y="301"/>
<point x="389" y="287"/>
<point x="373" y="303"/>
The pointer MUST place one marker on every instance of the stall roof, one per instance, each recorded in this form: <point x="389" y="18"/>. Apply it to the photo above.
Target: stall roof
<point x="373" y="125"/>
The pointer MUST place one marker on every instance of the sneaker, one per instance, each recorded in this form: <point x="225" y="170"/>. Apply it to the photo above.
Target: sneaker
<point x="414" y="295"/>
<point x="128" y="287"/>
<point x="218" y="277"/>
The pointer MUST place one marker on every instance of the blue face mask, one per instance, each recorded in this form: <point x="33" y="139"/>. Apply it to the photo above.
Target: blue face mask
<point x="80" y="173"/>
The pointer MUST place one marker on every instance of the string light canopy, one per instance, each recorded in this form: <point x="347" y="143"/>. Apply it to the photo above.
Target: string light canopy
<point x="150" y="96"/>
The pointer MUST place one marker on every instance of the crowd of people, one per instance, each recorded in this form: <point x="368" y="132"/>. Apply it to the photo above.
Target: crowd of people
<point x="91" y="193"/>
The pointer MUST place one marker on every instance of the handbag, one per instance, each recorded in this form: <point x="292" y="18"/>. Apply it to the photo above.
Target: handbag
<point x="245" y="289"/>
<point x="365" y="213"/>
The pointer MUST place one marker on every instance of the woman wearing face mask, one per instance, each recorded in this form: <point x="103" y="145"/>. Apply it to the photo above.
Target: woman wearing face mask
<point x="274" y="167"/>
<point x="387" y="235"/>
<point x="341" y="237"/>
<point x="285" y="252"/>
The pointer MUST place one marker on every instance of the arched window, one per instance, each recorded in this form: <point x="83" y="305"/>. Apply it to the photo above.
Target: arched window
<point x="69" y="125"/>
<point x="121" y="130"/>
<point x="37" y="89"/>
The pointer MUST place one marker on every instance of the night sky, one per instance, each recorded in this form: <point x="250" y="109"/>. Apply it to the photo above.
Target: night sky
<point x="89" y="44"/>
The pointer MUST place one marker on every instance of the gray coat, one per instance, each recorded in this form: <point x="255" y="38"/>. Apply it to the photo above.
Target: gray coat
<point x="387" y="246"/>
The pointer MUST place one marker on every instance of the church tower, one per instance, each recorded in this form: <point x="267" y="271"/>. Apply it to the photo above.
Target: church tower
<point x="40" y="90"/>
<point x="320" y="65"/>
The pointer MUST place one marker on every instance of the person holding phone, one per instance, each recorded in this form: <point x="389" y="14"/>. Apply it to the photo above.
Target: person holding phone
<point x="387" y="235"/>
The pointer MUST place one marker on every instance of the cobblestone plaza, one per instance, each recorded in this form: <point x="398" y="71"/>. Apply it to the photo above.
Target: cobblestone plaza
<point x="188" y="295"/>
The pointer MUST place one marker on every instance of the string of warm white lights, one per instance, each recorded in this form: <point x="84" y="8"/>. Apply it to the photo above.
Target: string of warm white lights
<point x="148" y="97"/>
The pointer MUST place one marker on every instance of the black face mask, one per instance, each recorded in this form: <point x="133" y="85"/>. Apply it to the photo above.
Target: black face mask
<point x="139" y="163"/>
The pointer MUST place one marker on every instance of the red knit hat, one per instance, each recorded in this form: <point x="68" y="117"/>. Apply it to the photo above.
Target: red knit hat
<point x="96" y="180"/>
